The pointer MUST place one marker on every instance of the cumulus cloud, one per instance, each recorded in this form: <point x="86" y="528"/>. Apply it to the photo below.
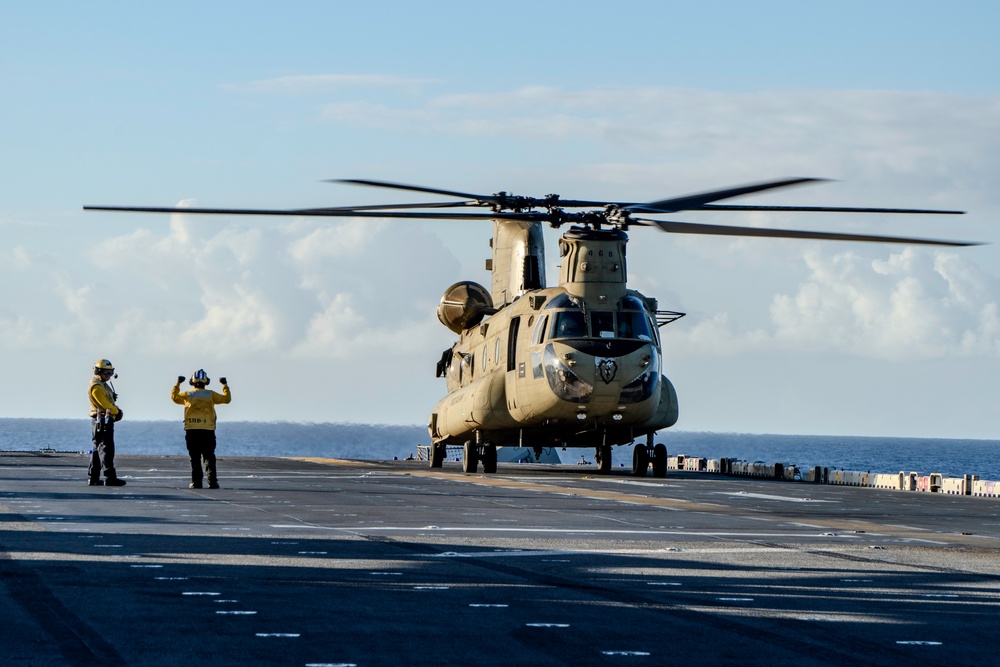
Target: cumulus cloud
<point x="915" y="304"/>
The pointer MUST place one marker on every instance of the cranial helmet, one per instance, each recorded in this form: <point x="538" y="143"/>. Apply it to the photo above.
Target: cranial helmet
<point x="104" y="365"/>
<point x="200" y="377"/>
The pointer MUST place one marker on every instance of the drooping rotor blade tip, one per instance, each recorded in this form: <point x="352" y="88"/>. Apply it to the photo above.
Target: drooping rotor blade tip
<point x="674" y="227"/>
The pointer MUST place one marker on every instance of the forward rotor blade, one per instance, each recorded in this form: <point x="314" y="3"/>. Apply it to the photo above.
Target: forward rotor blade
<point x="411" y="188"/>
<point x="725" y="230"/>
<point x="332" y="213"/>
<point x="689" y="202"/>
<point x="478" y="199"/>
<point x="390" y="207"/>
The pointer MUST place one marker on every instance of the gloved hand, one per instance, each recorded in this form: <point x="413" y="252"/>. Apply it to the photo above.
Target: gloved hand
<point x="121" y="415"/>
<point x="223" y="380"/>
<point x="180" y="378"/>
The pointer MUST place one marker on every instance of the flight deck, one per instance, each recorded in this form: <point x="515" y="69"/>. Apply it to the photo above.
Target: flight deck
<point x="330" y="562"/>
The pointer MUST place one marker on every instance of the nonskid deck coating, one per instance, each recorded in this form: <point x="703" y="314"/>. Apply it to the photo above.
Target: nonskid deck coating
<point x="369" y="563"/>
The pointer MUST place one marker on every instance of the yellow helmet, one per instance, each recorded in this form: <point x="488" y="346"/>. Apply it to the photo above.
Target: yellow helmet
<point x="104" y="365"/>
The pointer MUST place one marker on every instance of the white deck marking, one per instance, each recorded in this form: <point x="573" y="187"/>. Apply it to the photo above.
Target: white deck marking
<point x="547" y="625"/>
<point x="765" y="496"/>
<point x="553" y="531"/>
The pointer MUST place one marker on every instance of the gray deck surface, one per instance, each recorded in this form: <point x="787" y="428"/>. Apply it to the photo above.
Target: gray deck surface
<point x="390" y="563"/>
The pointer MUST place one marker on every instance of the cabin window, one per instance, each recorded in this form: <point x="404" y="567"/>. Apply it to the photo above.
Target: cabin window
<point x="634" y="325"/>
<point x="496" y="354"/>
<point x="515" y="325"/>
<point x="484" y="357"/>
<point x="540" y="331"/>
<point x="569" y="324"/>
<point x="602" y="324"/>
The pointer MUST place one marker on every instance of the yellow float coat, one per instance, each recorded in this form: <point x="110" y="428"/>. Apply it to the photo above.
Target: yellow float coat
<point x="101" y="400"/>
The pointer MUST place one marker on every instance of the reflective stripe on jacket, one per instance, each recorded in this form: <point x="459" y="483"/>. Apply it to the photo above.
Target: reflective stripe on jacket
<point x="199" y="405"/>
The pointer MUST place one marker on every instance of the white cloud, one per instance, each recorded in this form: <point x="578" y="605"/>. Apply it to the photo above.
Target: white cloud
<point x="917" y="304"/>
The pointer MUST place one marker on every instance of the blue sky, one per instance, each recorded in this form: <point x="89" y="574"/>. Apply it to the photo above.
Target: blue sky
<point x="253" y="104"/>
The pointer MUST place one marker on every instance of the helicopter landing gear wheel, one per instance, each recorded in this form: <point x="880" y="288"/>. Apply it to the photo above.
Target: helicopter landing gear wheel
<point x="660" y="460"/>
<point x="603" y="456"/>
<point x="470" y="459"/>
<point x="489" y="458"/>
<point x="640" y="460"/>
<point x="437" y="454"/>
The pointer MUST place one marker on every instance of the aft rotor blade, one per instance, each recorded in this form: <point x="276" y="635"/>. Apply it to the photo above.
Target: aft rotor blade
<point x="411" y="188"/>
<point x="726" y="230"/>
<point x="689" y="202"/>
<point x="823" y="209"/>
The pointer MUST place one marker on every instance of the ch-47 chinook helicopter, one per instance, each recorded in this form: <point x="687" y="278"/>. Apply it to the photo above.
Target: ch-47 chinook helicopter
<point x="574" y="365"/>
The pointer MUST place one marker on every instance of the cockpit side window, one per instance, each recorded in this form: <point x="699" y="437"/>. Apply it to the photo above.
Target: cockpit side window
<point x="569" y="324"/>
<point x="539" y="334"/>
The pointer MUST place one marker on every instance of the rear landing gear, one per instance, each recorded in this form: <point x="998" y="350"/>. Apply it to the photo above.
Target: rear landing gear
<point x="489" y="458"/>
<point x="470" y="457"/>
<point x="438" y="452"/>
<point x="603" y="457"/>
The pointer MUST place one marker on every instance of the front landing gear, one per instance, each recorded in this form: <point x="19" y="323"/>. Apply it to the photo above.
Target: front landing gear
<point x="640" y="460"/>
<point x="473" y="453"/>
<point x="643" y="455"/>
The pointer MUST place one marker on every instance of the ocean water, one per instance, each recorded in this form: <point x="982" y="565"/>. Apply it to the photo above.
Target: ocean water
<point x="951" y="458"/>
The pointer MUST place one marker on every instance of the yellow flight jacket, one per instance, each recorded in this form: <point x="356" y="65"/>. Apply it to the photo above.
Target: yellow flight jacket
<point x="199" y="405"/>
<point x="101" y="400"/>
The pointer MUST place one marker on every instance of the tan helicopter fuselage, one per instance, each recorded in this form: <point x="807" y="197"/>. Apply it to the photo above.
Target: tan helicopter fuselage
<point x="573" y="365"/>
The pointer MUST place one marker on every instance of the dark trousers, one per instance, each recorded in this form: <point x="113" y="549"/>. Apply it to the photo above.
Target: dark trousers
<point x="201" y="448"/>
<point x="103" y="455"/>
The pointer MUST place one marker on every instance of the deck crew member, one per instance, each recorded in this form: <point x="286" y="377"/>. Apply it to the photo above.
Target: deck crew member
<point x="199" y="424"/>
<point x="104" y="412"/>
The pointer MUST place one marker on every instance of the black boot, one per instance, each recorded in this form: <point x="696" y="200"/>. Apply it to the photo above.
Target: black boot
<point x="95" y="482"/>
<point x="114" y="481"/>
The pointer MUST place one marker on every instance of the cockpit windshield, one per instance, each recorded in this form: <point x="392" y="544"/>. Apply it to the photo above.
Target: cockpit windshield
<point x="634" y="325"/>
<point x="630" y="320"/>
<point x="569" y="324"/>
